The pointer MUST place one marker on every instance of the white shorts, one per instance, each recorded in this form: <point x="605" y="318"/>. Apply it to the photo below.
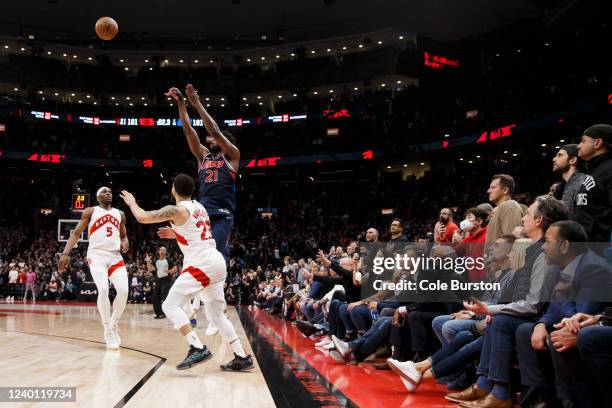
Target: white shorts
<point x="206" y="276"/>
<point x="105" y="265"/>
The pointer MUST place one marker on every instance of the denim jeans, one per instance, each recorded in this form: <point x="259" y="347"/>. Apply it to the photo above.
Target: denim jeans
<point x="498" y="348"/>
<point x="371" y="340"/>
<point x="594" y="346"/>
<point x="446" y="328"/>
<point x="361" y="317"/>
<point x="345" y="316"/>
<point x="455" y="355"/>
<point x="336" y="327"/>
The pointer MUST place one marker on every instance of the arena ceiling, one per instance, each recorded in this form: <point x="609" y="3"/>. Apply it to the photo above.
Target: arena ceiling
<point x="246" y="21"/>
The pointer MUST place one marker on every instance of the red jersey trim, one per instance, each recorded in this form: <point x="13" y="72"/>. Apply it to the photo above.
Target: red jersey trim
<point x="105" y="219"/>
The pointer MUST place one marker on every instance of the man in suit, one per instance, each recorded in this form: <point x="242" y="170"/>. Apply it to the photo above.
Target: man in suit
<point x="581" y="287"/>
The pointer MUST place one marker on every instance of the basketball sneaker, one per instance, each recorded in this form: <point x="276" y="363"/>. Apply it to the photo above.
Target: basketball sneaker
<point x="111" y="341"/>
<point x="195" y="356"/>
<point x="115" y="330"/>
<point x="239" y="364"/>
<point x="211" y="330"/>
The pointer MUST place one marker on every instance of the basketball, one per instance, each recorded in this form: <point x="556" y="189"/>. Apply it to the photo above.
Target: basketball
<point x="106" y="28"/>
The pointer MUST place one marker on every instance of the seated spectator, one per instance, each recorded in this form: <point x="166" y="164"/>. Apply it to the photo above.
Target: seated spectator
<point x="583" y="284"/>
<point x="520" y="302"/>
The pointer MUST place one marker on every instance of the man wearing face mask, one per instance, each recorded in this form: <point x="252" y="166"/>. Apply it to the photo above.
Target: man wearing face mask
<point x="472" y="245"/>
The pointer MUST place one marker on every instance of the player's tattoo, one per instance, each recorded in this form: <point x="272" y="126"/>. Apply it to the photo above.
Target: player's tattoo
<point x="167" y="211"/>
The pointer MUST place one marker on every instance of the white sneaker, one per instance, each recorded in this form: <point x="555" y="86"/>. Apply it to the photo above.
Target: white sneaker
<point x="323" y="342"/>
<point x="342" y="346"/>
<point x="329" y="346"/>
<point x="111" y="341"/>
<point x="407" y="371"/>
<point x="211" y="330"/>
<point x="337" y="356"/>
<point x="115" y="331"/>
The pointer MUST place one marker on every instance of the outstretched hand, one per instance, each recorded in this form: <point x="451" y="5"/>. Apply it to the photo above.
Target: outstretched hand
<point x="175" y="93"/>
<point x="127" y="197"/>
<point x="166" y="233"/>
<point x="192" y="94"/>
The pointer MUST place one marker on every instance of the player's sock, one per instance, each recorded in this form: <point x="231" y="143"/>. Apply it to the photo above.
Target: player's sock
<point x="193" y="340"/>
<point x="237" y="347"/>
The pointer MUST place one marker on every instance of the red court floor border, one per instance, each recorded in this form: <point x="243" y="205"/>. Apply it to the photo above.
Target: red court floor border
<point x="364" y="386"/>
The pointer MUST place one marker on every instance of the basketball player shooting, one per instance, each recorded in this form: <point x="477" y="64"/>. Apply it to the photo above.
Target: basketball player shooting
<point x="217" y="168"/>
<point x="107" y="235"/>
<point x="204" y="271"/>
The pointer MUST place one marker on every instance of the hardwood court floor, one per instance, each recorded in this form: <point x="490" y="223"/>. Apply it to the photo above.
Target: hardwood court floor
<point x="61" y="344"/>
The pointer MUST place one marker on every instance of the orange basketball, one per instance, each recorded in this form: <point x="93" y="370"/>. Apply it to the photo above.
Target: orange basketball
<point x="106" y="28"/>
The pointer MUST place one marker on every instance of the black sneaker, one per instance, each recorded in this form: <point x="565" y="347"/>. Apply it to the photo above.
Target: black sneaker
<point x="239" y="364"/>
<point x="195" y="356"/>
<point x="306" y="328"/>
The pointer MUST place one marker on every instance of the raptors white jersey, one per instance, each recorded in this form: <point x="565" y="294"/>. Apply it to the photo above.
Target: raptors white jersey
<point x="104" y="230"/>
<point x="194" y="237"/>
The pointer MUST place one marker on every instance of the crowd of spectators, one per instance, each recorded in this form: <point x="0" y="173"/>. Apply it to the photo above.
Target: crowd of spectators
<point x="550" y="314"/>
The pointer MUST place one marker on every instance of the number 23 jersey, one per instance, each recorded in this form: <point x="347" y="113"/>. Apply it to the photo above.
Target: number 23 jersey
<point x="194" y="237"/>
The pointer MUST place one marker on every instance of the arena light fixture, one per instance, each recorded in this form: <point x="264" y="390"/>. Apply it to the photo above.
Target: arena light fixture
<point x="478" y="156"/>
<point x="401" y="37"/>
<point x="244" y="98"/>
<point x="6" y="47"/>
<point x="147" y="61"/>
<point x="399" y="82"/>
<point x="280" y="96"/>
<point x="181" y="61"/>
<point x="263" y="58"/>
<point x="383" y="85"/>
<point x="142" y="98"/>
<point x="543" y="145"/>
<point x="388" y="167"/>
<point x="40" y="92"/>
<point x="278" y="56"/>
<point x="146" y="104"/>
<point x="422" y="164"/>
<point x="355" y="89"/>
<point x="89" y="58"/>
<point x="64" y="55"/>
<point x="126" y="68"/>
<point x="344" y="48"/>
<point x="471" y="162"/>
<point x="248" y="60"/>
<point x="514" y="154"/>
<point x="207" y="98"/>
<point x="223" y="105"/>
<point x="211" y="61"/>
<point x="80" y="101"/>
<point x="70" y="94"/>
<point x="316" y="93"/>
<point x="74" y="56"/>
<point x="88" y="96"/>
<point x="95" y="103"/>
<point x="505" y="152"/>
<point x="294" y="95"/>
<point x="293" y="54"/>
<point x="56" y="94"/>
<point x="329" y="50"/>
<point x="49" y="52"/>
<point x="121" y="61"/>
<point x="562" y="140"/>
<point x="313" y="52"/>
<point x="258" y="96"/>
<point x="150" y="68"/>
<point x="195" y="61"/>
<point x="360" y="46"/>
<point x="405" y="165"/>
<point x="380" y="42"/>
<point x="16" y="89"/>
<point x="260" y="103"/>
<point x="127" y="98"/>
<point x="113" y="98"/>
<point x="22" y="49"/>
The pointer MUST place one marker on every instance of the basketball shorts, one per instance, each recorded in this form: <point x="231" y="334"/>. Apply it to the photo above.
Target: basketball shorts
<point x="206" y="276"/>
<point x="105" y="265"/>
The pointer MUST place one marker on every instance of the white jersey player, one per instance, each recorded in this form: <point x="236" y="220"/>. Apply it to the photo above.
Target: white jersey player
<point x="204" y="271"/>
<point x="107" y="236"/>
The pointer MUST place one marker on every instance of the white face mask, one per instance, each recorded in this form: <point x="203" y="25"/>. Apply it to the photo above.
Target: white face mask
<point x="465" y="224"/>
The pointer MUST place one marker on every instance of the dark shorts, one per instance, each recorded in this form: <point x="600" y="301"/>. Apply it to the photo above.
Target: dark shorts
<point x="221" y="229"/>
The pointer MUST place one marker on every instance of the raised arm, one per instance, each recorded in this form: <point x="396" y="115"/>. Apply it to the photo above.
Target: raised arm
<point x="74" y="238"/>
<point x="176" y="214"/>
<point x="230" y="151"/>
<point x="197" y="149"/>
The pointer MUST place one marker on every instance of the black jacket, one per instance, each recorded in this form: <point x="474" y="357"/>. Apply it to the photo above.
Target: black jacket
<point x="344" y="278"/>
<point x="594" y="199"/>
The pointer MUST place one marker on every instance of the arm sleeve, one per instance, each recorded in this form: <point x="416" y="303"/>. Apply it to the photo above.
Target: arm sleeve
<point x="335" y="266"/>
<point x="541" y="286"/>
<point x="334" y="280"/>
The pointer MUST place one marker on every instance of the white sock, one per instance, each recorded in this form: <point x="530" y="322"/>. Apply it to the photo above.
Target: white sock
<point x="193" y="340"/>
<point x="237" y="347"/>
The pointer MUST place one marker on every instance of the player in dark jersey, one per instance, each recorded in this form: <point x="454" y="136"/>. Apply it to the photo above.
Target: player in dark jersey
<point x="217" y="167"/>
<point x="218" y="163"/>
